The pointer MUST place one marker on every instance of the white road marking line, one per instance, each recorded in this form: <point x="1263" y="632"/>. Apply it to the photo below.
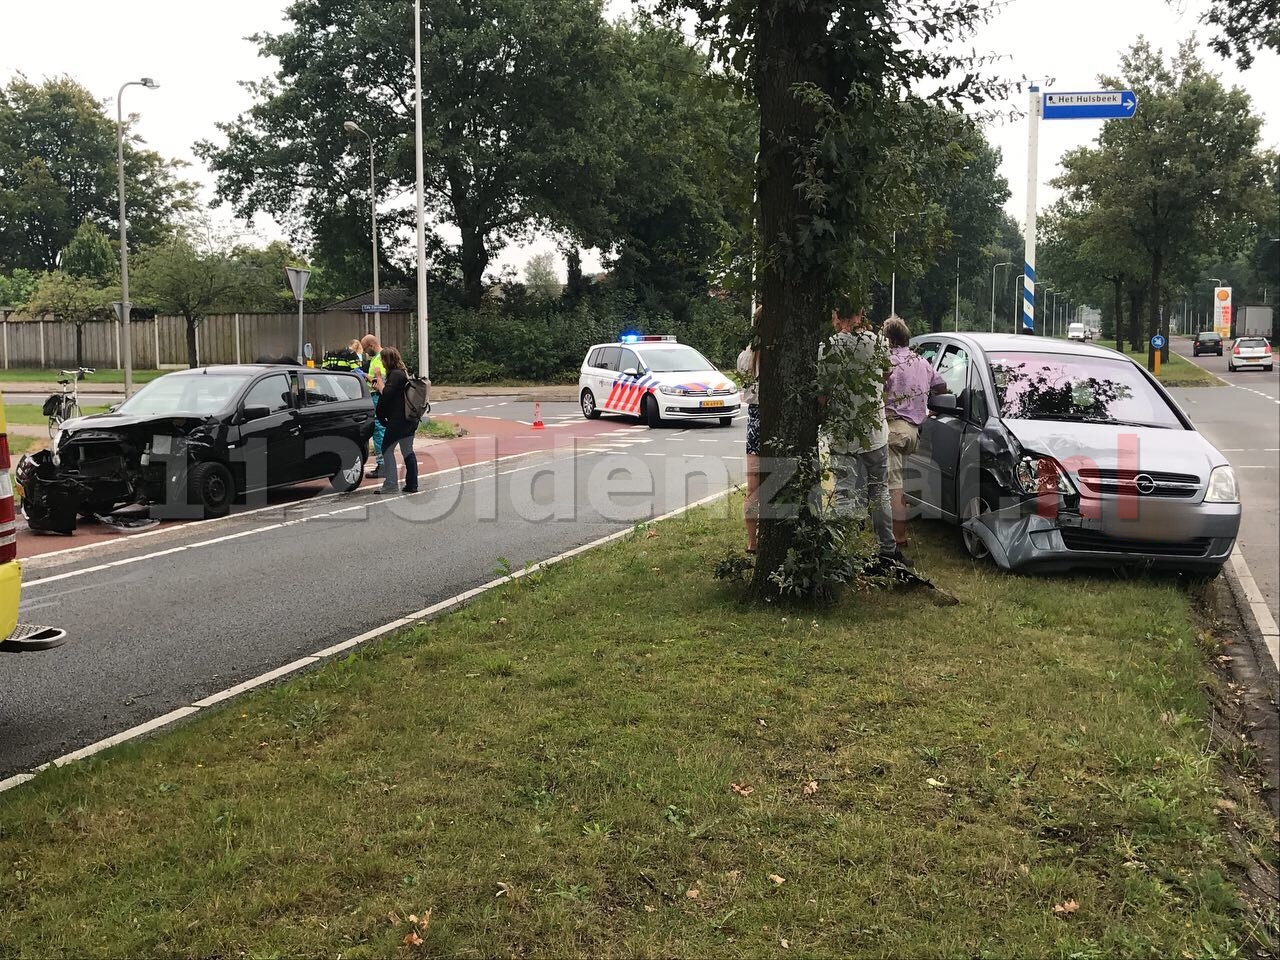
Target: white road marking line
<point x="452" y="603"/>
<point x="1257" y="605"/>
<point x="364" y="504"/>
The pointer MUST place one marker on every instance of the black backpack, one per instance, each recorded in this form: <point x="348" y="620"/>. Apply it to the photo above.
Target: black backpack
<point x="416" y="405"/>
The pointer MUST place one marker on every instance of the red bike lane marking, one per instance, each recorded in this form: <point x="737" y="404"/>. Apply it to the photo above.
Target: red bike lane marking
<point x="487" y="440"/>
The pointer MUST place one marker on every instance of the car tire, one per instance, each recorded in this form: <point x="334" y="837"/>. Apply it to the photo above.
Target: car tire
<point x="649" y="412"/>
<point x="726" y="421"/>
<point x="973" y="544"/>
<point x="1268" y="368"/>
<point x="211" y="486"/>
<point x="1231" y="368"/>
<point x="348" y="478"/>
<point x="589" y="408"/>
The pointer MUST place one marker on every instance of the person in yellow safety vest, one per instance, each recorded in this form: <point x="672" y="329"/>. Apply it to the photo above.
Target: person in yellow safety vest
<point x="376" y="371"/>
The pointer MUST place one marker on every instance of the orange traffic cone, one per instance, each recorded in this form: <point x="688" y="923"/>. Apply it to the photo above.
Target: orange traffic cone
<point x="537" y="416"/>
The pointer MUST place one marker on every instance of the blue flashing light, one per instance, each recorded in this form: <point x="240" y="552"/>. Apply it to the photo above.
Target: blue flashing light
<point x="631" y="338"/>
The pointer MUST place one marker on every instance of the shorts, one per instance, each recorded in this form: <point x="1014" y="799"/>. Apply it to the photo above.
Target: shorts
<point x="753" y="430"/>
<point x="904" y="437"/>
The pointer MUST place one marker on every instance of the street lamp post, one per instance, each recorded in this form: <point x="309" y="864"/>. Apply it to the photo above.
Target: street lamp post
<point x="424" y="369"/>
<point x="957" y="294"/>
<point x="1007" y="263"/>
<point x="125" y="305"/>
<point x="352" y="127"/>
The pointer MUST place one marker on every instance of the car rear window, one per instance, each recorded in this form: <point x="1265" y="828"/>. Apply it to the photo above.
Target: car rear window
<point x="1208" y="336"/>
<point x="1251" y="342"/>
<point x="1077" y="388"/>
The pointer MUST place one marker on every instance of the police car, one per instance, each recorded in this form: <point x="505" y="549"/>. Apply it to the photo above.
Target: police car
<point x="655" y="378"/>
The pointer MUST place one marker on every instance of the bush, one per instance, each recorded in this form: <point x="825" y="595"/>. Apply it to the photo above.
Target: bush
<point x="521" y="338"/>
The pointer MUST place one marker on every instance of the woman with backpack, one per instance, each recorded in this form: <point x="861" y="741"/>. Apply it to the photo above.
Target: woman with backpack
<point x="399" y="428"/>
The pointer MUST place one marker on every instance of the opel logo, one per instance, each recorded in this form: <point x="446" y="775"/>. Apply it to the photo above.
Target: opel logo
<point x="1144" y="483"/>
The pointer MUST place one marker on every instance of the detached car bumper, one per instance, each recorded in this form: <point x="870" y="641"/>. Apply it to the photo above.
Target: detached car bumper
<point x="1176" y="537"/>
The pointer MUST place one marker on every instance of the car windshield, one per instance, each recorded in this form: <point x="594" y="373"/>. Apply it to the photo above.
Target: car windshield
<point x="675" y="360"/>
<point x="1078" y="388"/>
<point x="192" y="395"/>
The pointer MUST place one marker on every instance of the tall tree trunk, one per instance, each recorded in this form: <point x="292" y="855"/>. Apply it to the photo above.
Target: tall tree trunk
<point x="1117" y="287"/>
<point x="475" y="260"/>
<point x="1164" y="328"/>
<point x="1154" y="300"/>
<point x="1135" y="317"/>
<point x="795" y="301"/>
<point x="192" y="360"/>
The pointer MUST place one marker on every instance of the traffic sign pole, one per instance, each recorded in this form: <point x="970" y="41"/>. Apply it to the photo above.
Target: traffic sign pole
<point x="1029" y="254"/>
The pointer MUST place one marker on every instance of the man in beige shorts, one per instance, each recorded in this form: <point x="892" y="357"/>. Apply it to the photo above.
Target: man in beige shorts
<point x="906" y="404"/>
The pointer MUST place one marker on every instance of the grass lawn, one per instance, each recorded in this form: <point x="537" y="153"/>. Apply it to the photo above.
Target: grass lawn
<point x="31" y="414"/>
<point x="617" y="757"/>
<point x="20" y="445"/>
<point x="43" y="375"/>
<point x="440" y="429"/>
<point x="1178" y="372"/>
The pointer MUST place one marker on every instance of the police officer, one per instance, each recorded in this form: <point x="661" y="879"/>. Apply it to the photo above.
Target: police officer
<point x="376" y="372"/>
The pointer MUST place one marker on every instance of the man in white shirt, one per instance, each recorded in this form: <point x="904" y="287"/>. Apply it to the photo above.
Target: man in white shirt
<point x="853" y="365"/>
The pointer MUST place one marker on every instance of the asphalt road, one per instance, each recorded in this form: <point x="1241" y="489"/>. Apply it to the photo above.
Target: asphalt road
<point x="1242" y="419"/>
<point x="188" y="610"/>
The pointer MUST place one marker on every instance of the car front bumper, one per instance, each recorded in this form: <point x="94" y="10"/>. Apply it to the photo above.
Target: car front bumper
<point x="1168" y="535"/>
<point x="681" y="408"/>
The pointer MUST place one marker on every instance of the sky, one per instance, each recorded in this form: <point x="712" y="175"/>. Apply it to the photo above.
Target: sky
<point x="199" y="54"/>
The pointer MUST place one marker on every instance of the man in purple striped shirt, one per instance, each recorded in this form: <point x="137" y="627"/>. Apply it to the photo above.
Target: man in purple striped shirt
<point x="906" y="404"/>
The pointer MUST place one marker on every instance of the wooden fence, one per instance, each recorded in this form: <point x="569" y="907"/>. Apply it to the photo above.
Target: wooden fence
<point x="162" y="342"/>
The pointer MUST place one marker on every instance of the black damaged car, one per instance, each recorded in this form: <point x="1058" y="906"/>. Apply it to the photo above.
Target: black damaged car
<point x="191" y="443"/>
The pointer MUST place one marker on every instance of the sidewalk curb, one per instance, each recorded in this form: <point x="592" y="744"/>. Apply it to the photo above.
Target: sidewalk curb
<point x="1264" y="635"/>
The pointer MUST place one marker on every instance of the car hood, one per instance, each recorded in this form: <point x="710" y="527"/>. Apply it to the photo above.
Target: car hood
<point x="702" y="380"/>
<point x="1111" y="446"/>
<point x="123" y="423"/>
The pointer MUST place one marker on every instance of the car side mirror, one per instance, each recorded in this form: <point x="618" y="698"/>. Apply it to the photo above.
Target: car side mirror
<point x="631" y="372"/>
<point x="944" y="403"/>
<point x="254" y="413"/>
<point x="114" y="407"/>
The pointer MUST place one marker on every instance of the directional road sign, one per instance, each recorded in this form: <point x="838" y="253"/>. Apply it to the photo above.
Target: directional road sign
<point x="375" y="307"/>
<point x="1095" y="105"/>
<point x="1157" y="342"/>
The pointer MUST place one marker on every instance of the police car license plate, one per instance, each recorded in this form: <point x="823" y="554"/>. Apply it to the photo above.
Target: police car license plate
<point x="712" y="403"/>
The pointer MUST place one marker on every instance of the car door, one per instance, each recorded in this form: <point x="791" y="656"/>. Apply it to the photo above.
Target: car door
<point x="947" y="431"/>
<point x="271" y="441"/>
<point x="608" y="378"/>
<point x="921" y="480"/>
<point x="334" y="412"/>
<point x="627" y="397"/>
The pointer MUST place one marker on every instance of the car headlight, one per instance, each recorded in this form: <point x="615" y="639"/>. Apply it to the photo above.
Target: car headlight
<point x="53" y="447"/>
<point x="1038" y="475"/>
<point x="1222" y="486"/>
<point x="673" y="391"/>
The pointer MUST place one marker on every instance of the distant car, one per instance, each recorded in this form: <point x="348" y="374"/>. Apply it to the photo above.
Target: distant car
<point x="1250" y="352"/>
<point x="655" y="378"/>
<point x="1075" y="331"/>
<point x="1053" y="455"/>
<point x="1207" y="341"/>
<point x="1088" y="333"/>
<point x="201" y="438"/>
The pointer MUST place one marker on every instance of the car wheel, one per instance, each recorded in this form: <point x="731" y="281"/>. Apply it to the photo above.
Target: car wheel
<point x="589" y="409"/>
<point x="210" y="485"/>
<point x="1231" y="368"/>
<point x="349" y="476"/>
<point x="974" y="544"/>
<point x="726" y="421"/>
<point x="1268" y="368"/>
<point x="649" y="412"/>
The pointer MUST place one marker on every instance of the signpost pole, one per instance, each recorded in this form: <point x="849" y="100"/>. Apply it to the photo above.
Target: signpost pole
<point x="1029" y="255"/>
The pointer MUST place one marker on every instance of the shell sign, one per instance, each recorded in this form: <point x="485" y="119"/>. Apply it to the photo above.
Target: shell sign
<point x="1222" y="307"/>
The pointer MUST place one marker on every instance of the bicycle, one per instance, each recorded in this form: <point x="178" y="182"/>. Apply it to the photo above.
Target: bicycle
<point x="65" y="404"/>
